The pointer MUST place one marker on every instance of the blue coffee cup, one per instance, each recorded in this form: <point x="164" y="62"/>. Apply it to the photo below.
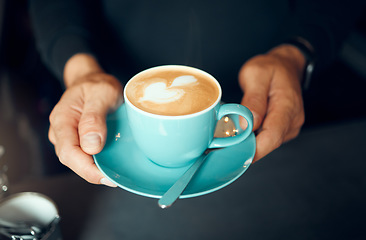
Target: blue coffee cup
<point x="176" y="141"/>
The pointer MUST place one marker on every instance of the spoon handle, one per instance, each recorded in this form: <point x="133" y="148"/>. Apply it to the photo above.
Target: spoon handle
<point x="176" y="190"/>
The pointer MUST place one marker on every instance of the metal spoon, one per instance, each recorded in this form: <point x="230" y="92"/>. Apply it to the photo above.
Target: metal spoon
<point x="24" y="230"/>
<point x="20" y="230"/>
<point x="225" y="128"/>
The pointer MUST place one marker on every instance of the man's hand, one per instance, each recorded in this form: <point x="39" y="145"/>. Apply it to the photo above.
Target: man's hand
<point x="78" y="121"/>
<point x="272" y="91"/>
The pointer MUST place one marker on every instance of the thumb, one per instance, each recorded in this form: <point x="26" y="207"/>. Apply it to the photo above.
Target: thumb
<point x="92" y="124"/>
<point x="255" y="85"/>
<point x="92" y="129"/>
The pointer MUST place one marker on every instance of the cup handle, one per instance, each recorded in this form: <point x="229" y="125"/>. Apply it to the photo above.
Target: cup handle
<point x="233" y="109"/>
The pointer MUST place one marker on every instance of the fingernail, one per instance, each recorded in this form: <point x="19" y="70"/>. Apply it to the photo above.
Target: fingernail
<point x="106" y="182"/>
<point x="92" y="140"/>
<point x="243" y="123"/>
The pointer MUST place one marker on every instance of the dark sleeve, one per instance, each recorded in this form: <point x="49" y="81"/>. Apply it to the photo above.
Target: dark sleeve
<point x="324" y="24"/>
<point x="62" y="28"/>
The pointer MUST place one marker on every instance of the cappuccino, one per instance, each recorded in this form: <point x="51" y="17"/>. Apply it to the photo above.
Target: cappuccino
<point x="172" y="91"/>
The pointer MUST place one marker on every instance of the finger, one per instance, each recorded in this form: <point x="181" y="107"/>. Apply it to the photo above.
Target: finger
<point x="78" y="161"/>
<point x="255" y="84"/>
<point x="71" y="155"/>
<point x="92" y="125"/>
<point x="267" y="141"/>
<point x="82" y="164"/>
<point x="293" y="133"/>
<point x="272" y="134"/>
<point x="92" y="130"/>
<point x="63" y="133"/>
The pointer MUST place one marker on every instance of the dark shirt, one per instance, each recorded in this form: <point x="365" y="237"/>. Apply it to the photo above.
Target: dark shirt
<point x="216" y="36"/>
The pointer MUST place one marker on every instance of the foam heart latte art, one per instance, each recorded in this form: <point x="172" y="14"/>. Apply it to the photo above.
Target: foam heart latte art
<point x="172" y="92"/>
<point x="159" y="92"/>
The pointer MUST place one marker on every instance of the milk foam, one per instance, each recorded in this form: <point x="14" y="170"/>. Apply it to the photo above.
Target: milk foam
<point x="183" y="80"/>
<point x="172" y="91"/>
<point x="159" y="92"/>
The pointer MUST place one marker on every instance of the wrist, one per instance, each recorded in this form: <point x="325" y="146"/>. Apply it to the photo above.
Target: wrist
<point x="78" y="66"/>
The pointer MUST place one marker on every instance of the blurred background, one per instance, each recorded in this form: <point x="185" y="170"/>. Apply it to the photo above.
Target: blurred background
<point x="28" y="93"/>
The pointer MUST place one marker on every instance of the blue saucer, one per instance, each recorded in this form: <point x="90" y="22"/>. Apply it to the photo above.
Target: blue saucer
<point x="122" y="162"/>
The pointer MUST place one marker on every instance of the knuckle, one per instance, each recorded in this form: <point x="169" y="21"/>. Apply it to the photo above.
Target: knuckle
<point x="300" y="120"/>
<point x="255" y="102"/>
<point x="52" y="116"/>
<point x="101" y="93"/>
<point x="256" y="66"/>
<point x="277" y="143"/>
<point x="64" y="155"/>
<point x="298" y="117"/>
<point x="278" y="140"/>
<point x="294" y="133"/>
<point x="51" y="137"/>
<point x="107" y="83"/>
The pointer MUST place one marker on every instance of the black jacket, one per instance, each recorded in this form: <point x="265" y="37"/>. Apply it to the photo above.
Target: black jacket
<point x="216" y="36"/>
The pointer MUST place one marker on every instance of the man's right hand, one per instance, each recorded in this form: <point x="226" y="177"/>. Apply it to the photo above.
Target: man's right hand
<point x="78" y="121"/>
